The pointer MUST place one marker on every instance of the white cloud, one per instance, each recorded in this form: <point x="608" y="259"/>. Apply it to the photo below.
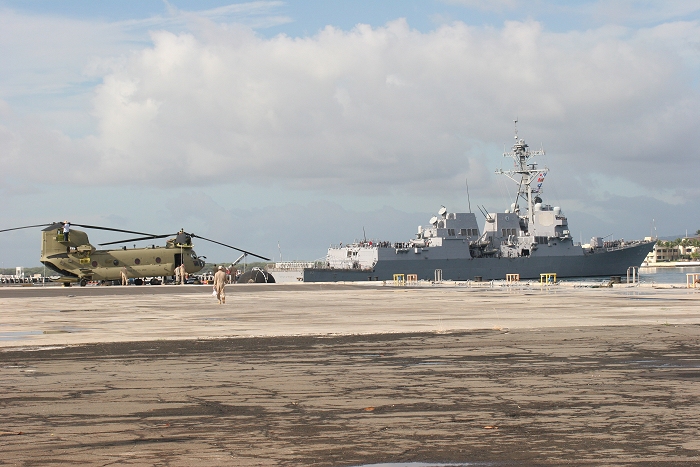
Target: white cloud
<point x="390" y="106"/>
<point x="387" y="110"/>
<point x="56" y="56"/>
<point x="45" y="55"/>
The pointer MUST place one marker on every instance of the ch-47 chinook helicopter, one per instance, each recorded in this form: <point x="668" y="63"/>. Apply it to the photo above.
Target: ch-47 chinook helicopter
<point x="76" y="260"/>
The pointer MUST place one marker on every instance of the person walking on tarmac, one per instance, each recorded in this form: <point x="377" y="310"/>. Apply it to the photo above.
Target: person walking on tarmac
<point x="220" y="284"/>
<point x="183" y="273"/>
<point x="125" y="277"/>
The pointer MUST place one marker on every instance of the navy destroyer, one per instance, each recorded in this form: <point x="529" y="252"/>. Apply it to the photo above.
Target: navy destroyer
<point x="530" y="238"/>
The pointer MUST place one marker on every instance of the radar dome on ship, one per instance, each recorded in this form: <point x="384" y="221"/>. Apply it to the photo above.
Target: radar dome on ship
<point x="538" y="206"/>
<point x="557" y="210"/>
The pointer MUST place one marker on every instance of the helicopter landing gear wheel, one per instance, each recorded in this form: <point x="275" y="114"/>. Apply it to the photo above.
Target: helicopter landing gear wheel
<point x="83" y="282"/>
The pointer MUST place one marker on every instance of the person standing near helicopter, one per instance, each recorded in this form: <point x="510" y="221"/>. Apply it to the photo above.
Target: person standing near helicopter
<point x="66" y="230"/>
<point x="125" y="276"/>
<point x="220" y="285"/>
<point x="183" y="273"/>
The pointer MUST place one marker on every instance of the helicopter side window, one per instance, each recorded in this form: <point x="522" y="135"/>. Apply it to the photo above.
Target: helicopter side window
<point x="115" y="262"/>
<point x="137" y="261"/>
<point x="158" y="260"/>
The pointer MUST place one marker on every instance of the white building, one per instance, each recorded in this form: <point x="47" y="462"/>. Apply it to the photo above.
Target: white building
<point x="664" y="254"/>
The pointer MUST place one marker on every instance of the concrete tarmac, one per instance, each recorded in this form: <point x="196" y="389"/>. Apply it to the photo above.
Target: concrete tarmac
<point x="341" y="375"/>
<point x="69" y="316"/>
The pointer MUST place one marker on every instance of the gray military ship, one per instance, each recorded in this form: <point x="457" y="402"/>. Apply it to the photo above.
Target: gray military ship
<point x="530" y="238"/>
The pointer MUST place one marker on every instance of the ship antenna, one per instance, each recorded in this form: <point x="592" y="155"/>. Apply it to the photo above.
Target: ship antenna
<point x="364" y="234"/>
<point x="484" y="212"/>
<point x="516" y="128"/>
<point x="517" y="195"/>
<point x="468" y="200"/>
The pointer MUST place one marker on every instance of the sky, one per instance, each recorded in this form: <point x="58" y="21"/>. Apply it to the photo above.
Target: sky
<point x="282" y="127"/>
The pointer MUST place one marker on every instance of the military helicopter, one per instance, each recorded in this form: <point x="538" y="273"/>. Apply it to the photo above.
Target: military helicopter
<point x="76" y="260"/>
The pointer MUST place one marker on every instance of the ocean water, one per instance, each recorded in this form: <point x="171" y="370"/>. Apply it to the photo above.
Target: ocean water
<point x="674" y="275"/>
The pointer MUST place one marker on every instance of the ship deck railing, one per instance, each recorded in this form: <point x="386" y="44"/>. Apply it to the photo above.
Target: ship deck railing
<point x="293" y="265"/>
<point x="615" y="248"/>
<point x="624" y="245"/>
<point x="372" y="244"/>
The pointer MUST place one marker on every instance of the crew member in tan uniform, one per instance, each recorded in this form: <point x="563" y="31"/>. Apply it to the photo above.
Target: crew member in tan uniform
<point x="219" y="284"/>
<point x="125" y="277"/>
<point x="177" y="275"/>
<point x="183" y="273"/>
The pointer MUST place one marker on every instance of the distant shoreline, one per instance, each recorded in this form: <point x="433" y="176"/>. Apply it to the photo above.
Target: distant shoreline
<point x="672" y="264"/>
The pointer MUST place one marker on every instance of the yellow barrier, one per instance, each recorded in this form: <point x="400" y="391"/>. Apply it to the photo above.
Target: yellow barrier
<point x="411" y="279"/>
<point x="548" y="278"/>
<point x="691" y="279"/>
<point x="399" y="280"/>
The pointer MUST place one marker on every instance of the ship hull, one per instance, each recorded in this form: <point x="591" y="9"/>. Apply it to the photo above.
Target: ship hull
<point x="605" y="263"/>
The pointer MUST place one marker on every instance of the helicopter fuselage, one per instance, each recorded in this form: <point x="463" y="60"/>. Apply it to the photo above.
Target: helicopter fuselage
<point x="78" y="261"/>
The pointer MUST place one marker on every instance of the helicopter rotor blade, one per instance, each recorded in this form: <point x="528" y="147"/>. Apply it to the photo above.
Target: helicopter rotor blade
<point x="25" y="227"/>
<point x="229" y="246"/>
<point x="97" y="227"/>
<point x="150" y="237"/>
<point x="147" y="236"/>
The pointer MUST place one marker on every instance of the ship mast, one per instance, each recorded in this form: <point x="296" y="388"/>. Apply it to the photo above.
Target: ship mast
<point x="524" y="172"/>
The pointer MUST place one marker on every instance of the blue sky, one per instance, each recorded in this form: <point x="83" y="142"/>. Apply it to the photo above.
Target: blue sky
<point x="302" y="122"/>
<point x="308" y="16"/>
